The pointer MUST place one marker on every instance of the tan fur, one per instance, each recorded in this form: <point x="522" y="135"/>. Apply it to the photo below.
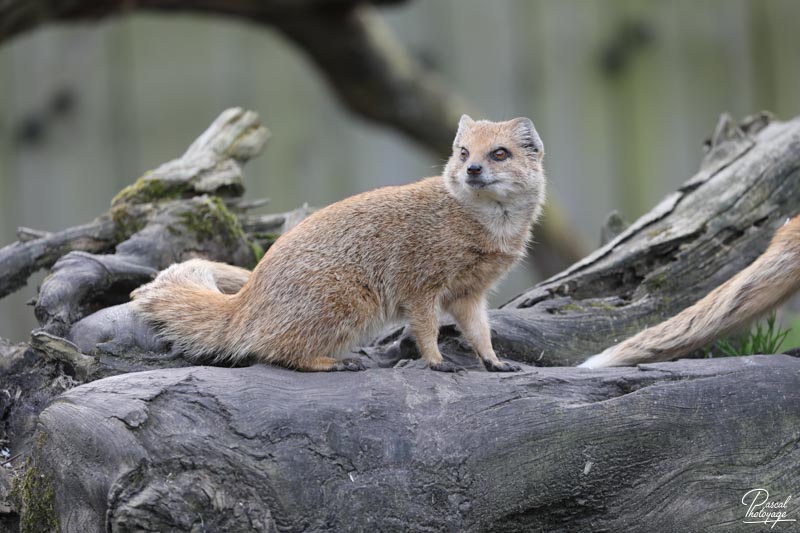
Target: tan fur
<point x="759" y="288"/>
<point x="396" y="253"/>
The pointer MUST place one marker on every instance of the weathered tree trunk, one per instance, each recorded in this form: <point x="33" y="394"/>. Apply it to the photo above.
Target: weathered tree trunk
<point x="661" y="447"/>
<point x="664" y="447"/>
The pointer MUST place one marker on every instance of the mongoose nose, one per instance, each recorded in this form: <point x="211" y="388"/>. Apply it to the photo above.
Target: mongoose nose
<point x="474" y="169"/>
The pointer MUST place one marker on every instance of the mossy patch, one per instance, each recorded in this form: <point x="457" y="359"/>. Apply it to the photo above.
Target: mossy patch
<point x="601" y="305"/>
<point x="41" y="440"/>
<point x="582" y="305"/>
<point x="127" y="223"/>
<point x="258" y="251"/>
<point x="656" y="282"/>
<point x="35" y="496"/>
<point x="266" y="236"/>
<point x="147" y="189"/>
<point x="211" y="219"/>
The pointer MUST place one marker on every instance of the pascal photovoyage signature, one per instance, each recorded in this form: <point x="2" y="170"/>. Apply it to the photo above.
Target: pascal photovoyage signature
<point x="762" y="510"/>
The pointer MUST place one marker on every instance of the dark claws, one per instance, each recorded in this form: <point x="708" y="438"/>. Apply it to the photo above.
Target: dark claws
<point x="501" y="367"/>
<point x="445" y="366"/>
<point x="352" y="364"/>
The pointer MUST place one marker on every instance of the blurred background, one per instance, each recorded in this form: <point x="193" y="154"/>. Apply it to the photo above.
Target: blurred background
<point x="623" y="94"/>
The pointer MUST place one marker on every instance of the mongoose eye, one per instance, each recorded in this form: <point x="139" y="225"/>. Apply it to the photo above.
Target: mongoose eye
<point x="500" y="154"/>
<point x="464" y="154"/>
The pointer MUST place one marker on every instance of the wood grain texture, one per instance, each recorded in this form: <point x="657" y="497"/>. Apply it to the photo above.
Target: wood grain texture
<point x="665" y="447"/>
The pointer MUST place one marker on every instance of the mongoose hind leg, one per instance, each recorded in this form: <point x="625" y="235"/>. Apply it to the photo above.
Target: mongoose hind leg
<point x="329" y="364"/>
<point x="473" y="321"/>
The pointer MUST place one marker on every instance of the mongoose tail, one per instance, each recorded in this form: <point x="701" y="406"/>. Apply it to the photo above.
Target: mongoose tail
<point x="772" y="278"/>
<point x="200" y="293"/>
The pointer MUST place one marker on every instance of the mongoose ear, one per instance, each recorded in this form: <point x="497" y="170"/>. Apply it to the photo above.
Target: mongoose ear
<point x="528" y="136"/>
<point x="463" y="123"/>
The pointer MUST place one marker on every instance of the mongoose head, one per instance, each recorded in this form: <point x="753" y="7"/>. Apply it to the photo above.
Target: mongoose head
<point x="496" y="162"/>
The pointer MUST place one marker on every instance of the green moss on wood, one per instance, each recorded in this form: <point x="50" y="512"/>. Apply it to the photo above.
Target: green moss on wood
<point x="211" y="219"/>
<point x="147" y="189"/>
<point x="258" y="251"/>
<point x="127" y="223"/>
<point x="35" y="496"/>
<point x="41" y="440"/>
<point x="601" y="305"/>
<point x="266" y="236"/>
<point x="656" y="282"/>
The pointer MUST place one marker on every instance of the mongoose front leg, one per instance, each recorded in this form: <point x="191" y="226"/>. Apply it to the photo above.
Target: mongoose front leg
<point x="425" y="328"/>
<point x="473" y="321"/>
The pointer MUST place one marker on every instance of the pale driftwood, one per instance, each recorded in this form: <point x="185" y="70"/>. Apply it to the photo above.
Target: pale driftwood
<point x="664" y="447"/>
<point x="20" y="260"/>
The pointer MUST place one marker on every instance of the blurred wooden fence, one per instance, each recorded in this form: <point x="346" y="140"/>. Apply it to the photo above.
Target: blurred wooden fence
<point x="623" y="93"/>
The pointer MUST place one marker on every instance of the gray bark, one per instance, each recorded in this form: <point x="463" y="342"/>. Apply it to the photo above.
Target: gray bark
<point x="664" y="447"/>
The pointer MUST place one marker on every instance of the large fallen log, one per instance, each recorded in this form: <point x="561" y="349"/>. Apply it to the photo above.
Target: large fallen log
<point x="663" y="447"/>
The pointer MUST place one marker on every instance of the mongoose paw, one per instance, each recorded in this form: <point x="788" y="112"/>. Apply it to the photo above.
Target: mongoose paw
<point x="501" y="366"/>
<point x="352" y="364"/>
<point x="445" y="366"/>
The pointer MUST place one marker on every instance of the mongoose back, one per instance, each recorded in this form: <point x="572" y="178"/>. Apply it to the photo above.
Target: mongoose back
<point x="759" y="288"/>
<point x="395" y="253"/>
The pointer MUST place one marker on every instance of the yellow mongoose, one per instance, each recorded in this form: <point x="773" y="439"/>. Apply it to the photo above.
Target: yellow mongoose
<point x="762" y="286"/>
<point x="396" y="253"/>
